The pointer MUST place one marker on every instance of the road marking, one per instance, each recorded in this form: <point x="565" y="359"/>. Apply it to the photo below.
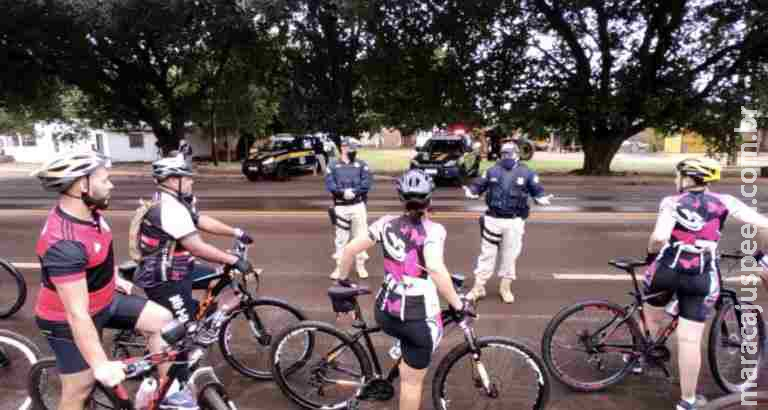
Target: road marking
<point x="625" y="276"/>
<point x="25" y="265"/>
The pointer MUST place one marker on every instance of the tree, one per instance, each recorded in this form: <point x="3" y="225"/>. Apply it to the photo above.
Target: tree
<point x="136" y="61"/>
<point x="609" y="69"/>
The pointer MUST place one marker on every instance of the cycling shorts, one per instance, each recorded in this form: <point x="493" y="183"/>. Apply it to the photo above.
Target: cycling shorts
<point x="122" y="313"/>
<point x="696" y="292"/>
<point x="418" y="338"/>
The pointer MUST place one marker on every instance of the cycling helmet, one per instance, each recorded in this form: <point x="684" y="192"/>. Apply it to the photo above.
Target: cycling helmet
<point x="415" y="187"/>
<point x="170" y="167"/>
<point x="510" y="150"/>
<point x="59" y="174"/>
<point x="701" y="170"/>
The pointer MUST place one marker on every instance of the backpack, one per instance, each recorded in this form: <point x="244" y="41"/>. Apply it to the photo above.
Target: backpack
<point x="134" y="232"/>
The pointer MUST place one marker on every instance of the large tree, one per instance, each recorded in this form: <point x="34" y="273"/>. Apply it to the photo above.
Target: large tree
<point x="150" y="61"/>
<point x="609" y="69"/>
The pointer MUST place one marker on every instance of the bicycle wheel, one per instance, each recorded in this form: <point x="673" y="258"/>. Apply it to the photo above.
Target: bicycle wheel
<point x="17" y="356"/>
<point x="584" y="346"/>
<point x="44" y="387"/>
<point x="14" y="290"/>
<point x="246" y="337"/>
<point x="515" y="377"/>
<point x="735" y="401"/>
<point x="736" y="347"/>
<point x="328" y="375"/>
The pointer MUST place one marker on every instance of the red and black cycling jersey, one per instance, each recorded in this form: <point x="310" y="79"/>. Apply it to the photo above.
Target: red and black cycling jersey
<point x="72" y="249"/>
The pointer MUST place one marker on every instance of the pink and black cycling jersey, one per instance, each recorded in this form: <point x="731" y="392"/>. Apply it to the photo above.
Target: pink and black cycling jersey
<point x="408" y="291"/>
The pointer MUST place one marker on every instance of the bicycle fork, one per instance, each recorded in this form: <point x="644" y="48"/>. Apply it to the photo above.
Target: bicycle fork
<point x="479" y="372"/>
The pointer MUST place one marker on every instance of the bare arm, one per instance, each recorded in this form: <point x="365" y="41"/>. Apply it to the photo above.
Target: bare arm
<point x="195" y="244"/>
<point x="74" y="297"/>
<point x="214" y="226"/>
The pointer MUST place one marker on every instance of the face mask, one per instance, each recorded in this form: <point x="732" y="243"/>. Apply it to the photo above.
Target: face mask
<point x="351" y="156"/>
<point x="188" y="199"/>
<point x="508" y="163"/>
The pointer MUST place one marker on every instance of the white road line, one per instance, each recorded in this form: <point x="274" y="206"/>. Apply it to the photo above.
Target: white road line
<point x="619" y="276"/>
<point x="26" y="265"/>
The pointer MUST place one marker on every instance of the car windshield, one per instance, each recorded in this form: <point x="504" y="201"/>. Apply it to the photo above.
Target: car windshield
<point x="443" y="145"/>
<point x="276" y="145"/>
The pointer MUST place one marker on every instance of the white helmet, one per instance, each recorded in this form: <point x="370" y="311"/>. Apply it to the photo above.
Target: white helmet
<point x="510" y="150"/>
<point x="59" y="174"/>
<point x="170" y="167"/>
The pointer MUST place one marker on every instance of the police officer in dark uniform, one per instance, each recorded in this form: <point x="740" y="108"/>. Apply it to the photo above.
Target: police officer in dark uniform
<point x="349" y="180"/>
<point x="507" y="186"/>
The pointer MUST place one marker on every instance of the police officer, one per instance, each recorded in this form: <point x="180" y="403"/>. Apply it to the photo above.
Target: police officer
<point x="507" y="187"/>
<point x="348" y="180"/>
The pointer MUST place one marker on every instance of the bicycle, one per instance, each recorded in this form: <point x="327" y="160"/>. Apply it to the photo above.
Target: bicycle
<point x="253" y="360"/>
<point x="17" y="356"/>
<point x="342" y="375"/>
<point x="735" y="401"/>
<point x="190" y="341"/>
<point x="11" y="279"/>
<point x="609" y="335"/>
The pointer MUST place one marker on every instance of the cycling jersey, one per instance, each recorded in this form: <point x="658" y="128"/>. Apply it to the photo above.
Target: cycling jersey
<point x="408" y="291"/>
<point x="170" y="220"/>
<point x="687" y="264"/>
<point x="72" y="249"/>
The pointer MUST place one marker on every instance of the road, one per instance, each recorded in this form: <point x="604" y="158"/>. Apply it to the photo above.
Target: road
<point x="564" y="260"/>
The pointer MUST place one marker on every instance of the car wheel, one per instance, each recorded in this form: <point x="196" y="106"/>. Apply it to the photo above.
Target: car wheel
<point x="281" y="173"/>
<point x="251" y="175"/>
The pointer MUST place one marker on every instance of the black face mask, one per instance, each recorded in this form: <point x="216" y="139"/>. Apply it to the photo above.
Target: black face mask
<point x="351" y="156"/>
<point x="187" y="198"/>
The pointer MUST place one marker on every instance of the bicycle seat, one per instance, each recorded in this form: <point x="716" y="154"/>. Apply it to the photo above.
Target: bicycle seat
<point x="627" y="264"/>
<point x="127" y="270"/>
<point x="341" y="292"/>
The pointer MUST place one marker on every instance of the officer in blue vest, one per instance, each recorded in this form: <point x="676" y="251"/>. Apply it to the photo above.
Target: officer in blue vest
<point x="348" y="180"/>
<point x="507" y="186"/>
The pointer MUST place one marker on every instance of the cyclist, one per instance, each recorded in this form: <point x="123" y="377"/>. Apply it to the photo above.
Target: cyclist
<point x="169" y="241"/>
<point x="408" y="307"/>
<point x="682" y="254"/>
<point x="349" y="181"/>
<point x="77" y="297"/>
<point x="509" y="184"/>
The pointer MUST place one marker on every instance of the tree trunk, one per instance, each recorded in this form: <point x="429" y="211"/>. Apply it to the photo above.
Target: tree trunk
<point x="214" y="151"/>
<point x="599" y="151"/>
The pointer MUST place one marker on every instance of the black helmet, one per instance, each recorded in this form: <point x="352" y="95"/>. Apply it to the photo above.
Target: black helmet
<point x="415" y="187"/>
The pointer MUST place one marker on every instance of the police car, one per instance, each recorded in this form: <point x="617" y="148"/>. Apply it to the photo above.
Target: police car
<point x="283" y="155"/>
<point x="447" y="156"/>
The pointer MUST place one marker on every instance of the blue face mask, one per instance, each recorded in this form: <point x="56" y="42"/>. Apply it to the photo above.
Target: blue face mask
<point x="508" y="163"/>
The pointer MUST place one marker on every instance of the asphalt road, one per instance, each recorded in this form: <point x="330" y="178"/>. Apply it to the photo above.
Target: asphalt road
<point x="564" y="247"/>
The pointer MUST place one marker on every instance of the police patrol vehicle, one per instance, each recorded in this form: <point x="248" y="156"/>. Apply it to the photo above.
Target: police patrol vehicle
<point x="283" y="155"/>
<point x="447" y="156"/>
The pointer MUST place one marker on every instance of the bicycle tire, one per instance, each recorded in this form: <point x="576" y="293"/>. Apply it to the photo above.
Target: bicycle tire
<point x="441" y="401"/>
<point x="41" y="376"/>
<point x="734" y="351"/>
<point x="573" y="382"/>
<point x="22" y="354"/>
<point x="21" y="289"/>
<point x="280" y="368"/>
<point x="237" y="361"/>
<point x="212" y="400"/>
<point x="733" y="401"/>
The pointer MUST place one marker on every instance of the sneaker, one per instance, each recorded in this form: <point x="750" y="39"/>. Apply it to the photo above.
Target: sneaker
<point x="335" y="275"/>
<point x="181" y="400"/>
<point x="684" y="405"/>
<point x="505" y="291"/>
<point x="361" y="272"/>
<point x="477" y="293"/>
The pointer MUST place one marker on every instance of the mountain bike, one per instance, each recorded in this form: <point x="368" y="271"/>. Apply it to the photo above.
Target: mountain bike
<point x="607" y="342"/>
<point x="255" y="320"/>
<point x="17" y="356"/>
<point x="187" y="345"/>
<point x="319" y="366"/>
<point x="14" y="288"/>
<point x="737" y="401"/>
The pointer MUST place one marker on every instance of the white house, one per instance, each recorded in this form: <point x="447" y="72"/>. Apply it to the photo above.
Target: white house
<point x="120" y="145"/>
